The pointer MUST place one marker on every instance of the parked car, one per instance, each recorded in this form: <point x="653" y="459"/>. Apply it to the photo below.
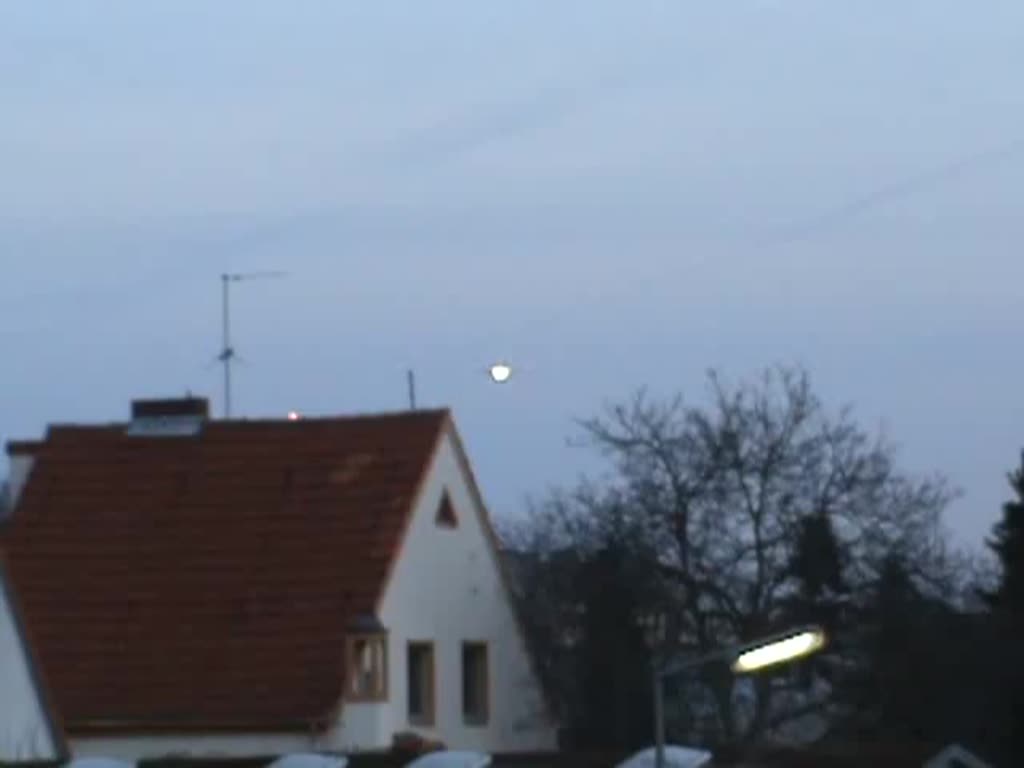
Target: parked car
<point x="675" y="757"/>
<point x="309" y="760"/>
<point x="450" y="758"/>
<point x="99" y="762"/>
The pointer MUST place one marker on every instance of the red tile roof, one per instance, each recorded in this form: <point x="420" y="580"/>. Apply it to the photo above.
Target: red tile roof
<point x="207" y="581"/>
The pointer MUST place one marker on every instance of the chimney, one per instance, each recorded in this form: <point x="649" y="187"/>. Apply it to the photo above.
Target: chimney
<point x="171" y="407"/>
<point x="170" y="416"/>
<point x="22" y="454"/>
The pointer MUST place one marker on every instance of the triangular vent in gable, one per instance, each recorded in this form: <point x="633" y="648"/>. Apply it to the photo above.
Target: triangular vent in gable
<point x="446" y="516"/>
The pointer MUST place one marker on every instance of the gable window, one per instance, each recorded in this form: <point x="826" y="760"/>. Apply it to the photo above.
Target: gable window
<point x="446" y="517"/>
<point x="366" y="667"/>
<point x="420" y="669"/>
<point x="476" y="684"/>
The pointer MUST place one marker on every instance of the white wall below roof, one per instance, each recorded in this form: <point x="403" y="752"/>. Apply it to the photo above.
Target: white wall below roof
<point x="20" y="467"/>
<point x="447" y="587"/>
<point x="24" y="731"/>
<point x="362" y="727"/>
<point x="192" y="744"/>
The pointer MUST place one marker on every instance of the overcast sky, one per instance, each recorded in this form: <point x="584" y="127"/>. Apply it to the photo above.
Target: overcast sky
<point x="608" y="194"/>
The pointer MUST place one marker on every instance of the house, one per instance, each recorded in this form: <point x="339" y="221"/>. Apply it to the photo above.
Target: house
<point x="28" y="729"/>
<point x="211" y="587"/>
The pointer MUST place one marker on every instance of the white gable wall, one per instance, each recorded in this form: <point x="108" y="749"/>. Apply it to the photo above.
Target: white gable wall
<point x="446" y="587"/>
<point x="20" y="468"/>
<point x="24" y="730"/>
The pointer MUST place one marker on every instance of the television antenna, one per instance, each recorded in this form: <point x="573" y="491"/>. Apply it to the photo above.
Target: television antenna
<point x="227" y="354"/>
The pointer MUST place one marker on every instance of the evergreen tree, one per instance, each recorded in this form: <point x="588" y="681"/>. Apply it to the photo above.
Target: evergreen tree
<point x="1007" y="612"/>
<point x="894" y="614"/>
<point x="613" y="661"/>
<point x="917" y="679"/>
<point x="817" y="566"/>
<point x="1007" y="543"/>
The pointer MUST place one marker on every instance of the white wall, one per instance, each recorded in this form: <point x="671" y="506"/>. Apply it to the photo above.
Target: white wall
<point x="24" y="731"/>
<point x="20" y="467"/>
<point x="196" y="744"/>
<point x="362" y="726"/>
<point x="446" y="587"/>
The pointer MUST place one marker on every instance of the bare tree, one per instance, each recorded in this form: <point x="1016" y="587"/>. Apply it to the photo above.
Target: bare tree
<point x="721" y="497"/>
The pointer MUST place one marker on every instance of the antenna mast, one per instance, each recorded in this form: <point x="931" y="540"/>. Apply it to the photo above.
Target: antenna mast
<point x="227" y="354"/>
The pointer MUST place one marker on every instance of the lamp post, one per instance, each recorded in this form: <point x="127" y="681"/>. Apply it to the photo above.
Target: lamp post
<point x="659" y="716"/>
<point x="654" y="630"/>
<point x="744" y="659"/>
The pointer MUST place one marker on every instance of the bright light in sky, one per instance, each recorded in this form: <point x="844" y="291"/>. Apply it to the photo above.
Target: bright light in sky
<point x="500" y="372"/>
<point x="788" y="649"/>
<point x="584" y="208"/>
<point x="293" y="415"/>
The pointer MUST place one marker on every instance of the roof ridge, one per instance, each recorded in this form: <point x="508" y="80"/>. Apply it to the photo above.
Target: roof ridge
<point x="331" y="417"/>
<point x="364" y="416"/>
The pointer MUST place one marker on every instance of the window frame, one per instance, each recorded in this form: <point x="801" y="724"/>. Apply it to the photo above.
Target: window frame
<point x="477" y="719"/>
<point x="380" y="640"/>
<point x="429" y="716"/>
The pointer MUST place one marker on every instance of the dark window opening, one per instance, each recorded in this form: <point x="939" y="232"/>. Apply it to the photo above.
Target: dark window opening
<point x="420" y="671"/>
<point x="446" y="516"/>
<point x="475" y="684"/>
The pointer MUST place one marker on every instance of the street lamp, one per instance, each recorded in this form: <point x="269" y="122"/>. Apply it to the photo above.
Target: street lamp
<point x="743" y="659"/>
<point x="781" y="650"/>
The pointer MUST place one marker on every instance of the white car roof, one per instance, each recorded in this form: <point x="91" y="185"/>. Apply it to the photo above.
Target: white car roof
<point x="451" y="759"/>
<point x="99" y="762"/>
<point x="309" y="760"/>
<point x="675" y="757"/>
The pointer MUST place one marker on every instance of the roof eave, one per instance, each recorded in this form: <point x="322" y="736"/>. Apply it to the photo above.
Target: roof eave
<point x="86" y="728"/>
